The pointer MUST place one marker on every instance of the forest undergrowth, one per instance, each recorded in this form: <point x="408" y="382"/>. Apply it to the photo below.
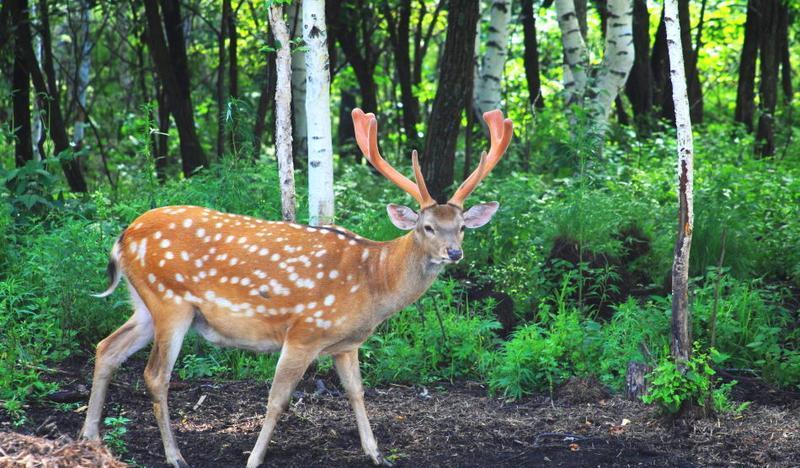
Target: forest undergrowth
<point x="570" y="279"/>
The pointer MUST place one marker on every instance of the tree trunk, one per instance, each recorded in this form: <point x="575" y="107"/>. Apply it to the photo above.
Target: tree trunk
<point x="352" y="25"/>
<point x="318" y="113"/>
<point x="267" y="95"/>
<point x="399" y="36"/>
<point x="300" y="126"/>
<point x="488" y="89"/>
<point x="531" y="55"/>
<point x="47" y="93"/>
<point x="235" y="133"/>
<point x="161" y="142"/>
<point x="636" y="380"/>
<point x="576" y="56"/>
<point x="5" y="31"/>
<point x="681" y="343"/>
<point x="221" y="99"/>
<point x="768" y="79"/>
<point x="345" y="135"/>
<point x="598" y="95"/>
<point x="581" y="10"/>
<point x="639" y="87"/>
<point x="745" y="93"/>
<point x="83" y="64"/>
<point x="455" y="73"/>
<point x="695" y="92"/>
<point x="283" y="113"/>
<point x="233" y="57"/>
<point x="783" y="50"/>
<point x="618" y="55"/>
<point x="171" y="65"/>
<point x="21" y="85"/>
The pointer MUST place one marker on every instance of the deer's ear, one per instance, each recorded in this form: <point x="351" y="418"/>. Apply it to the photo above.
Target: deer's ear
<point x="480" y="214"/>
<point x="402" y="216"/>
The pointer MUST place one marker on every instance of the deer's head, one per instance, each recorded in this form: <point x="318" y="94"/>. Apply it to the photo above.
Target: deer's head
<point x="438" y="228"/>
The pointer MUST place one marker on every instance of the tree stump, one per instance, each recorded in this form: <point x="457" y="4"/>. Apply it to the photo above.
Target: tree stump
<point x="635" y="382"/>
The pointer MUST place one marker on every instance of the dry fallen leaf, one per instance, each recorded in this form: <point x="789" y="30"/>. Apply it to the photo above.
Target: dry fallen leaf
<point x="625" y="422"/>
<point x="574" y="447"/>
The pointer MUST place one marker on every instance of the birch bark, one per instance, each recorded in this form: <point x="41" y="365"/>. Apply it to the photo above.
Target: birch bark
<point x="299" y="128"/>
<point x="576" y="56"/>
<point x="283" y="113"/>
<point x="84" y="62"/>
<point x="681" y="338"/>
<point x="618" y="56"/>
<point x="597" y="93"/>
<point x="488" y="87"/>
<point x="318" y="114"/>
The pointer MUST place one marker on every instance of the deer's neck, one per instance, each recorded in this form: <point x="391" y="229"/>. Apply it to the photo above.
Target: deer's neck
<point x="403" y="272"/>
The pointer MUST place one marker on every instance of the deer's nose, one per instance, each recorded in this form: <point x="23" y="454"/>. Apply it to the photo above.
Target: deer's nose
<point x="455" y="254"/>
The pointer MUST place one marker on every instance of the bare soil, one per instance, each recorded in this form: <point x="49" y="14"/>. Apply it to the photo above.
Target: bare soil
<point x="451" y="424"/>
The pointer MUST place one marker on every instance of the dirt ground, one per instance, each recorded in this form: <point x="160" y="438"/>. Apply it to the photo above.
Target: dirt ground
<point x="447" y="425"/>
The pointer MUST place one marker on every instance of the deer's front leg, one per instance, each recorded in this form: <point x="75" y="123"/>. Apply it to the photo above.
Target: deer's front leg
<point x="290" y="369"/>
<point x="350" y="375"/>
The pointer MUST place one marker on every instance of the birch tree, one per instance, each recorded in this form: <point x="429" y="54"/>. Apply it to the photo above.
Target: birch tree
<point x="596" y="89"/>
<point x="83" y="63"/>
<point x="318" y="114"/>
<point x="487" y="90"/>
<point x="681" y="344"/>
<point x="299" y="128"/>
<point x="283" y="112"/>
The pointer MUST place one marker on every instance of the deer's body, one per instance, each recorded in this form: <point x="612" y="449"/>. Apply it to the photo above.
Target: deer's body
<point x="268" y="286"/>
<point x="281" y="282"/>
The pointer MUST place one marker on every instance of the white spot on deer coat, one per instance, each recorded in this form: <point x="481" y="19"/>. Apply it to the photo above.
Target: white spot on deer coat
<point x="187" y="223"/>
<point x="329" y="300"/>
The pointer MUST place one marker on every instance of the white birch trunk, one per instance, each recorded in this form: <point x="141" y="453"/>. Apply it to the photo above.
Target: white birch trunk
<point x="488" y="88"/>
<point x="299" y="130"/>
<point x="83" y="62"/>
<point x="618" y="56"/>
<point x="36" y="126"/>
<point x="576" y="56"/>
<point x="681" y="339"/>
<point x="283" y="113"/>
<point x="318" y="114"/>
<point x="598" y="93"/>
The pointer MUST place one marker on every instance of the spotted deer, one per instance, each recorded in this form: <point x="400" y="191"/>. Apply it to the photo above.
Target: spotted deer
<point x="268" y="286"/>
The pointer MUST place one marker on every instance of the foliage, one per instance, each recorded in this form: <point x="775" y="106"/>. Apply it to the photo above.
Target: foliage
<point x="113" y="437"/>
<point x="31" y="339"/>
<point x="673" y="386"/>
<point x="434" y="341"/>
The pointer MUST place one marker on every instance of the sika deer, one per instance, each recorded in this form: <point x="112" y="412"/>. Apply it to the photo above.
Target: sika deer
<point x="269" y="286"/>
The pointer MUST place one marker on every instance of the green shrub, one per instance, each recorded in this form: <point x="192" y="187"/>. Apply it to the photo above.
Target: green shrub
<point x="32" y="338"/>
<point x="672" y="388"/>
<point x="433" y="341"/>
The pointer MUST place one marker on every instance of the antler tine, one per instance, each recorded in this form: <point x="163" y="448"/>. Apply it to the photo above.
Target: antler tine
<point x="427" y="199"/>
<point x="500" y="133"/>
<point x="366" y="130"/>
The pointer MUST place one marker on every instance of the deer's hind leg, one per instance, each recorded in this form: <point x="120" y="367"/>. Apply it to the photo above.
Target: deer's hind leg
<point x="132" y="336"/>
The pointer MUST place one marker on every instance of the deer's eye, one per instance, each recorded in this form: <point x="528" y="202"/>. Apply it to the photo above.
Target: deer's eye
<point x="429" y="229"/>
